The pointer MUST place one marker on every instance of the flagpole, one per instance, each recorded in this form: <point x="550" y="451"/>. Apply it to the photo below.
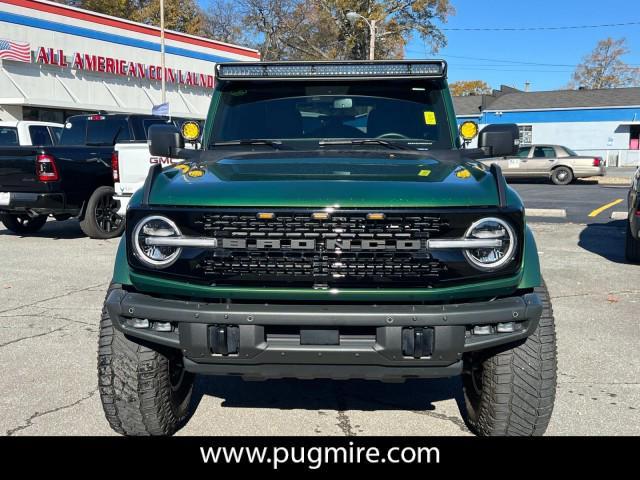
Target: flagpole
<point x="164" y="93"/>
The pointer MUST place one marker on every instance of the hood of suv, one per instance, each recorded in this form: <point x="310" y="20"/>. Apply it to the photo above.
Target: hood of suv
<point x="363" y="178"/>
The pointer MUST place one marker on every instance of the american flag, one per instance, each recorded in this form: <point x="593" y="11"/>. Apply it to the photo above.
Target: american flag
<point x="18" y="51"/>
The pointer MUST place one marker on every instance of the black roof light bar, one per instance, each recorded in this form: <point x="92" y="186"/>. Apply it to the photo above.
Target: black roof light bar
<point x="331" y="70"/>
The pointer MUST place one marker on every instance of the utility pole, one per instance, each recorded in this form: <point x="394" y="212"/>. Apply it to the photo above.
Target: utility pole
<point x="372" y="40"/>
<point x="353" y="17"/>
<point x="163" y="86"/>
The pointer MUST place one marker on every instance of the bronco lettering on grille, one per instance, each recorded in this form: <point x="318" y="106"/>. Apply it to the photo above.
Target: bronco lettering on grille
<point x="310" y="244"/>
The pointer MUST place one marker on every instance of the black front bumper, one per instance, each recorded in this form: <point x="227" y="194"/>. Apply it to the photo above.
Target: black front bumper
<point x="370" y="342"/>
<point x="41" y="203"/>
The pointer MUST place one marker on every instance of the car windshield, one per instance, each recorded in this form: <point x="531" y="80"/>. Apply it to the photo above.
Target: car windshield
<point x="411" y="113"/>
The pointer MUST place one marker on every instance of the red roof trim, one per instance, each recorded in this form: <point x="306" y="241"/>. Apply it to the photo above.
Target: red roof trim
<point x="123" y="24"/>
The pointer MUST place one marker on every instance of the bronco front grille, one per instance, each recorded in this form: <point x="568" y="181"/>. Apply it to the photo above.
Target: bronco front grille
<point x="289" y="247"/>
<point x="343" y="248"/>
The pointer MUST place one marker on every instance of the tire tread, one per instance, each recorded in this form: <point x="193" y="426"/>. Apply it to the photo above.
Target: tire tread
<point x="519" y="385"/>
<point x="134" y="386"/>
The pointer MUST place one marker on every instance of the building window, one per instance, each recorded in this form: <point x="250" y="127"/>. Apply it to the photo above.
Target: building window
<point x="526" y="134"/>
<point x="50" y="114"/>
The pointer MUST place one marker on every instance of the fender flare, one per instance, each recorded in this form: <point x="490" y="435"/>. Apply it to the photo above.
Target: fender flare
<point x="531" y="275"/>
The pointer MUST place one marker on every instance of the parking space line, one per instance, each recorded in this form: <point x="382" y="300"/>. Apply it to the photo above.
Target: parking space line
<point x="546" y="212"/>
<point x="601" y="209"/>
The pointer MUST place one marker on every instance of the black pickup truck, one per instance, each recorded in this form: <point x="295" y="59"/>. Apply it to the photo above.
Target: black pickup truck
<point x="71" y="179"/>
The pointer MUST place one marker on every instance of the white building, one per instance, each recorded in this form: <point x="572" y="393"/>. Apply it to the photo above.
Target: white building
<point x="603" y="122"/>
<point x="81" y="61"/>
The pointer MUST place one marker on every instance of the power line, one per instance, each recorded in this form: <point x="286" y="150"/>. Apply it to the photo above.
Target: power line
<point x="519" y="62"/>
<point x="515" y="62"/>
<point x="509" y="70"/>
<point x="529" y="29"/>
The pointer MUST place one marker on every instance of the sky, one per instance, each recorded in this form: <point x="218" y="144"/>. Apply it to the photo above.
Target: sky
<point x="493" y="56"/>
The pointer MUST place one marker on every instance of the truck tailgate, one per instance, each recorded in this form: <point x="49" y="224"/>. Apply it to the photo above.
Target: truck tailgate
<point x="18" y="170"/>
<point x="134" y="161"/>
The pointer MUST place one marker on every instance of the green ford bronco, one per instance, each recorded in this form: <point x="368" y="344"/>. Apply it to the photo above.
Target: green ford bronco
<point x="332" y="226"/>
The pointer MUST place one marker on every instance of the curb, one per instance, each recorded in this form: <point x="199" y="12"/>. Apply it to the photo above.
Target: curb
<point x="546" y="212"/>
<point x="608" y="180"/>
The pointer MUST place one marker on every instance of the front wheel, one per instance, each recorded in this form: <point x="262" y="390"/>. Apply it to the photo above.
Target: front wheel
<point x="562" y="176"/>
<point x="143" y="391"/>
<point x="101" y="219"/>
<point x="23" y="224"/>
<point x="512" y="392"/>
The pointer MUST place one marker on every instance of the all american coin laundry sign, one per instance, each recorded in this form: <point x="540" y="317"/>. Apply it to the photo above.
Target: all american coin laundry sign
<point x="21" y="52"/>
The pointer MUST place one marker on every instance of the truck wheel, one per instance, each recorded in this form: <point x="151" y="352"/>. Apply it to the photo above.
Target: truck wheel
<point x="101" y="219"/>
<point x="143" y="391"/>
<point x="562" y="176"/>
<point x="632" y="246"/>
<point x="23" y="224"/>
<point x="511" y="392"/>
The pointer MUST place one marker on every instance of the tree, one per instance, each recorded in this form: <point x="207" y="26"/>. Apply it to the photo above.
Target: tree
<point x="295" y="29"/>
<point x="396" y="22"/>
<point x="223" y="22"/>
<point x="179" y="15"/>
<point x="115" y="8"/>
<point x="319" y="29"/>
<point x="603" y="67"/>
<point x="464" y="88"/>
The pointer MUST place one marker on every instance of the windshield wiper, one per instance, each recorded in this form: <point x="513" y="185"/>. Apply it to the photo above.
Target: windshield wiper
<point x="366" y="141"/>
<point x="250" y="141"/>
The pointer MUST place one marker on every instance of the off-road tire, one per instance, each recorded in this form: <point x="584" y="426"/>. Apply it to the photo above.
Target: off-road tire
<point x="631" y="247"/>
<point x="100" y="219"/>
<point x="136" y="388"/>
<point x="517" y="386"/>
<point x="23" y="224"/>
<point x="562" y="176"/>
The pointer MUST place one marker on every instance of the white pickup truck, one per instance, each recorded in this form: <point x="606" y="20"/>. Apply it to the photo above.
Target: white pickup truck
<point x="130" y="164"/>
<point x="24" y="132"/>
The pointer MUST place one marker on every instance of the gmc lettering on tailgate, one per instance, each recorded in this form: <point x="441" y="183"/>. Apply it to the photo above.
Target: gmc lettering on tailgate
<point x="163" y="160"/>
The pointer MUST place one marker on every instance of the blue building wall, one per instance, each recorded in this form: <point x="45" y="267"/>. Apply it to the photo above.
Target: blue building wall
<point x="558" y="116"/>
<point x="599" y="131"/>
<point x="630" y="114"/>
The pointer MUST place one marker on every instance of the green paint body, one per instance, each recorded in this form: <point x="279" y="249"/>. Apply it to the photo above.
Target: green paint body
<point x="377" y="179"/>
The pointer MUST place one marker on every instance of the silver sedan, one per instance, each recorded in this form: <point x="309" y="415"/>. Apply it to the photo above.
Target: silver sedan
<point x="559" y="164"/>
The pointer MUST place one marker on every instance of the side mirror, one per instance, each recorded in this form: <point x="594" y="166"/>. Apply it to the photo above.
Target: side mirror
<point x="165" y="141"/>
<point x="499" y="140"/>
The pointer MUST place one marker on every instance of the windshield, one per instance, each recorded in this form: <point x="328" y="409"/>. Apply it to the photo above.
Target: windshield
<point x="96" y="130"/>
<point x="408" y="112"/>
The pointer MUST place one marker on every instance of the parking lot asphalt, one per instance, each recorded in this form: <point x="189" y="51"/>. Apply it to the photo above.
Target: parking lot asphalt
<point x="51" y="291"/>
<point x="578" y="200"/>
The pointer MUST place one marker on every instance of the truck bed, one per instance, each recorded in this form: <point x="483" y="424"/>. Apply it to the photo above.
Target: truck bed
<point x="81" y="170"/>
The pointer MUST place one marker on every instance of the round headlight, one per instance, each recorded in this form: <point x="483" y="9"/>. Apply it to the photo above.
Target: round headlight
<point x="148" y="229"/>
<point x="491" y="258"/>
